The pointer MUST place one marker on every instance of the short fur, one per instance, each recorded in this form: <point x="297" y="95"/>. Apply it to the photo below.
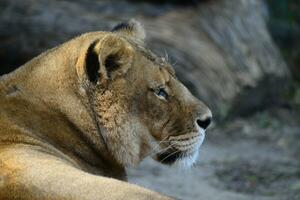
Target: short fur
<point x="74" y="117"/>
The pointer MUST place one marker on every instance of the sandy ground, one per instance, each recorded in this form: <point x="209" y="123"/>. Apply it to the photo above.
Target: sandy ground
<point x="232" y="168"/>
<point x="200" y="182"/>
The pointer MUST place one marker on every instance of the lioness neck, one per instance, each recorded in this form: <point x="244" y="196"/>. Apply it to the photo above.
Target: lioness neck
<point x="44" y="99"/>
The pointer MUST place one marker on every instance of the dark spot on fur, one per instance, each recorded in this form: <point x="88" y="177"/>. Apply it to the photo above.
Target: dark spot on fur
<point x="111" y="64"/>
<point x="92" y="64"/>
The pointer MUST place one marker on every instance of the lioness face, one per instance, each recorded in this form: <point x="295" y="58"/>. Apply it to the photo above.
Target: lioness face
<point x="173" y="116"/>
<point x="140" y="107"/>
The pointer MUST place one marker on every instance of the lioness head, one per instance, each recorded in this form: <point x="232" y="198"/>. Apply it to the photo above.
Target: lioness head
<point x="139" y="105"/>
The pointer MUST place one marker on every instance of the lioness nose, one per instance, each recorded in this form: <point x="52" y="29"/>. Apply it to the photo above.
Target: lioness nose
<point x="204" y="123"/>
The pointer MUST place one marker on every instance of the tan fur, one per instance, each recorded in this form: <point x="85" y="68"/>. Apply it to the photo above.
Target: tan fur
<point x="65" y="137"/>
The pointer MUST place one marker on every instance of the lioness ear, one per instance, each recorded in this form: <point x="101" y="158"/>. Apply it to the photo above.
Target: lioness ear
<point x="105" y="59"/>
<point x="131" y="29"/>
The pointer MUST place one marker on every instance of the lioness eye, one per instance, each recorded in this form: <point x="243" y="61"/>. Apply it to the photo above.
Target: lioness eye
<point x="162" y="93"/>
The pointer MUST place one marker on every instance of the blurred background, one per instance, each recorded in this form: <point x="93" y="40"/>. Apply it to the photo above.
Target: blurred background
<point x="241" y="57"/>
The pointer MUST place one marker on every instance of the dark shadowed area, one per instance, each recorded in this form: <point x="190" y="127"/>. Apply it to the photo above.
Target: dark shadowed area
<point x="241" y="57"/>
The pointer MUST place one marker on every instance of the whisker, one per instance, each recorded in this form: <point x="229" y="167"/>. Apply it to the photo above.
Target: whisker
<point x="169" y="155"/>
<point x="157" y="146"/>
<point x="164" y="149"/>
<point x="184" y="137"/>
<point x="179" y="144"/>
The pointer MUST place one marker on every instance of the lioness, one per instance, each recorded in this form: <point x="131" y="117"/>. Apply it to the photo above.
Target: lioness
<point x="74" y="117"/>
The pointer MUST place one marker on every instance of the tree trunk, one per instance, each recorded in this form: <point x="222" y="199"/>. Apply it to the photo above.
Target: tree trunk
<point x="222" y="49"/>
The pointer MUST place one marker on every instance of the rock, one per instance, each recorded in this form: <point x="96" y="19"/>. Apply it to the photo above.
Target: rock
<point x="221" y="48"/>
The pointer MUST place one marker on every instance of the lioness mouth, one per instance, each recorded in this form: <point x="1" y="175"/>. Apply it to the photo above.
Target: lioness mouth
<point x="169" y="157"/>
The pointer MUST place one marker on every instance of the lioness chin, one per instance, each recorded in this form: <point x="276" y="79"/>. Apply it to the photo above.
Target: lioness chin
<point x="74" y="117"/>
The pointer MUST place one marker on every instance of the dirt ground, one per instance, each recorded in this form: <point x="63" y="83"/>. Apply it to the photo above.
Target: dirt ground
<point x="248" y="159"/>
